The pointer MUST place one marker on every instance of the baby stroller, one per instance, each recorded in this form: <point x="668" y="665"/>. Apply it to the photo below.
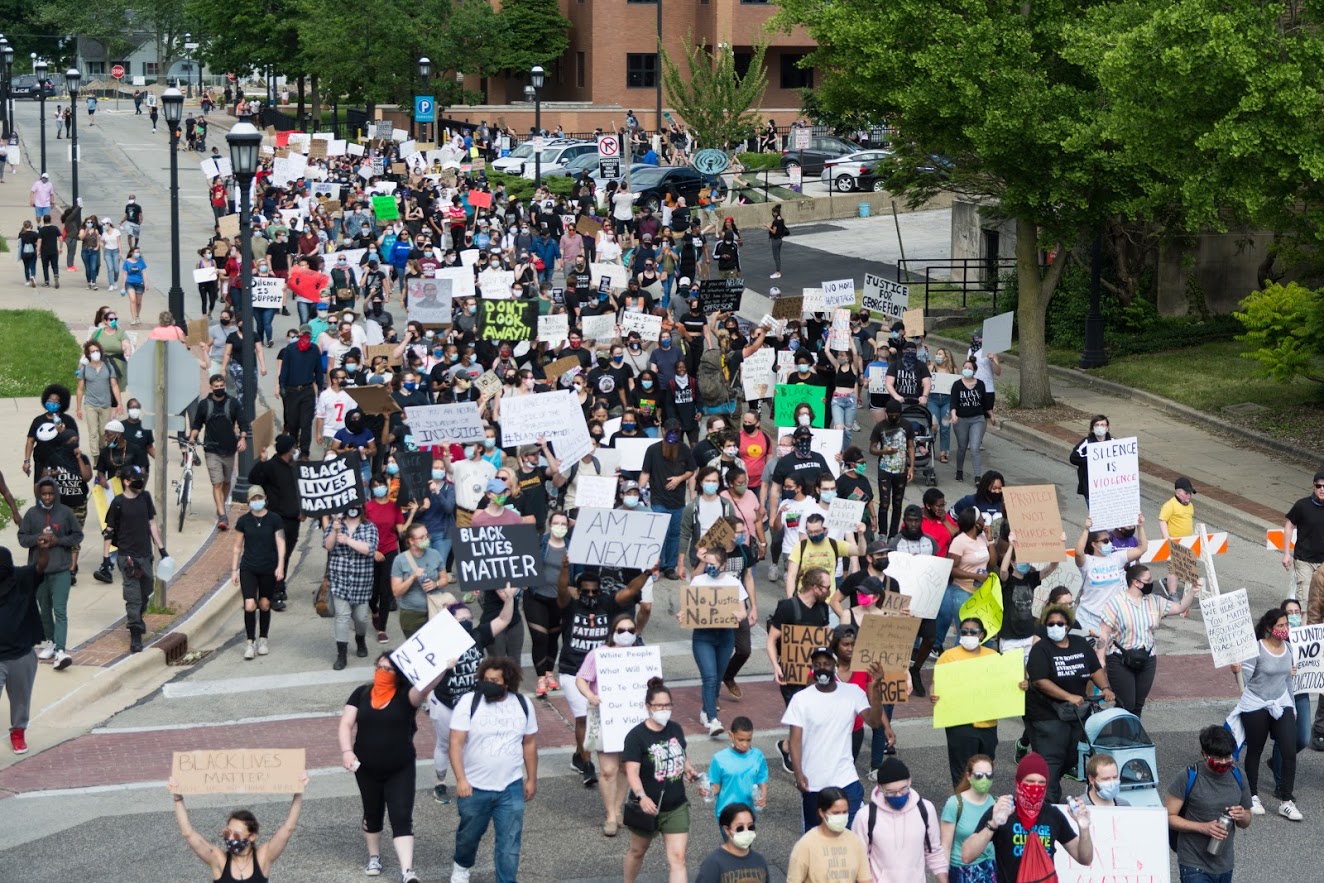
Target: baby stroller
<point x="1119" y="734"/>
<point x="922" y="421"/>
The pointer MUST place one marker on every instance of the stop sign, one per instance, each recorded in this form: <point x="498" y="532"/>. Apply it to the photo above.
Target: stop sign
<point x="117" y="71"/>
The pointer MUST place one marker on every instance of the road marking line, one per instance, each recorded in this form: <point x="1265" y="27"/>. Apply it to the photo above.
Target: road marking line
<point x="275" y="718"/>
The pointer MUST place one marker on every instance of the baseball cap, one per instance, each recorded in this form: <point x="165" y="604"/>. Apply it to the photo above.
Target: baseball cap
<point x="114" y="426"/>
<point x="255" y="491"/>
<point x="822" y="651"/>
<point x="1183" y="484"/>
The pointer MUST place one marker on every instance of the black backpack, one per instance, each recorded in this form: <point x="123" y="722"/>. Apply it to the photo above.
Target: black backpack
<point x="478" y="697"/>
<point x="873" y="819"/>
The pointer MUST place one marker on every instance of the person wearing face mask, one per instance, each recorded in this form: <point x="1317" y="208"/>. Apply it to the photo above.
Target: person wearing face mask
<point x="1020" y="580"/>
<point x="970" y="412"/>
<point x="228" y="433"/>
<point x="712" y="647"/>
<point x="540" y="607"/>
<point x="1103" y="570"/>
<point x="240" y="856"/>
<point x="135" y="282"/>
<point x="99" y="389"/>
<point x="943" y="375"/>
<point x="132" y="528"/>
<point x="1126" y="636"/>
<point x="45" y="427"/>
<point x="1267" y="709"/>
<point x="666" y="469"/>
<point x="987" y="367"/>
<point x="1301" y="701"/>
<point x="980" y="737"/>
<point x="389" y="519"/>
<point x="299" y="385"/>
<point x="734" y="860"/>
<point x="357" y="437"/>
<point x="898" y="832"/>
<point x="1026" y="830"/>
<point x="258" y="566"/>
<point x="1104" y="782"/>
<point x="817" y="549"/>
<point x="893" y="443"/>
<point x="333" y="407"/>
<point x="622" y="632"/>
<point x="277" y="476"/>
<point x="829" y="851"/>
<point x="699" y="515"/>
<point x="1211" y="788"/>
<point x="416" y="572"/>
<point x="52" y="531"/>
<point x="1080" y="455"/>
<point x="350" y="541"/>
<point x="665" y="357"/>
<point x="960" y="815"/>
<point x="1060" y="669"/>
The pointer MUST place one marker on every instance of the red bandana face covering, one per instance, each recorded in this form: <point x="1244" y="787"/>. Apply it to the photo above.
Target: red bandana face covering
<point x="1029" y="800"/>
<point x="305" y="342"/>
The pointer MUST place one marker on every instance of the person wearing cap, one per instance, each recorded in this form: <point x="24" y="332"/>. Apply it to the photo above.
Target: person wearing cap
<point x="59" y="532"/>
<point x="115" y="454"/>
<point x="1305" y="520"/>
<point x="131" y="528"/>
<point x="299" y="385"/>
<point x="900" y="830"/>
<point x="1176" y="520"/>
<point x="99" y="389"/>
<point x="821" y="720"/>
<point x="278" y="477"/>
<point x="1026" y="829"/>
<point x="258" y="567"/>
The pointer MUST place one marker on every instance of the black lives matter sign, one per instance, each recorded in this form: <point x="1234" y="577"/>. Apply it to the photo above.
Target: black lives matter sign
<point x="490" y="556"/>
<point x="330" y="486"/>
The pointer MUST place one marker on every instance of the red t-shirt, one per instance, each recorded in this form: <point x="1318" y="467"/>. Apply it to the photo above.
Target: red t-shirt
<point x="386" y="517"/>
<point x="937" y="530"/>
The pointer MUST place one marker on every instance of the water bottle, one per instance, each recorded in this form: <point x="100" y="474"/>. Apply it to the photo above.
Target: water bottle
<point x="1215" y="845"/>
<point x="706" y="788"/>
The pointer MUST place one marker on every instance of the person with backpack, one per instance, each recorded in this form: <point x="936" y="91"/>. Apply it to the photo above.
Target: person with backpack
<point x="817" y="549"/>
<point x="227" y="435"/>
<point x="698" y="517"/>
<point x="131" y="528"/>
<point x="898" y="831"/>
<point x="495" y="754"/>
<point x="1198" y="802"/>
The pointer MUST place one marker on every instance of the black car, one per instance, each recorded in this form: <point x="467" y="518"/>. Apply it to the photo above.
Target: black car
<point x="653" y="183"/>
<point x="821" y="149"/>
<point x="25" y="86"/>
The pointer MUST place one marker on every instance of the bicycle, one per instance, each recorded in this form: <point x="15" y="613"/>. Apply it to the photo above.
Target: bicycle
<point x="184" y="484"/>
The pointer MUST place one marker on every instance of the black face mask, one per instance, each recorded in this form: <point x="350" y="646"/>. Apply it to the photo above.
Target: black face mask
<point x="491" y="691"/>
<point x="879" y="564"/>
<point x="218" y="393"/>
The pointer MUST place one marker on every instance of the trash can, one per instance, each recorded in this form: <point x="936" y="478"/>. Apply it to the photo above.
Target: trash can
<point x="865" y="210"/>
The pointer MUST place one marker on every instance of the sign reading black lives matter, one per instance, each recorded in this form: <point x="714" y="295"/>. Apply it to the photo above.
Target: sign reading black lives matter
<point x="721" y="295"/>
<point x="330" y="486"/>
<point x="490" y="556"/>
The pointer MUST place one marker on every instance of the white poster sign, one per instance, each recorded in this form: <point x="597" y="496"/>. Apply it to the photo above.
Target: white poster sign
<point x="425" y="655"/>
<point x="596" y="491"/>
<point x="618" y="538"/>
<point x="1308" y="652"/>
<point x="757" y="374"/>
<point x="883" y="297"/>
<point x="633" y="450"/>
<point x="623" y="675"/>
<point x="1228" y="624"/>
<point x="555" y="416"/>
<point x="598" y="327"/>
<point x="495" y="284"/>
<point x="839" y="293"/>
<point x="812" y="302"/>
<point x="839" y="333"/>
<point x="461" y="280"/>
<point x="1130" y="846"/>
<point x="843" y="515"/>
<point x="204" y="274"/>
<point x="997" y="332"/>
<point x="439" y="424"/>
<point x="553" y="329"/>
<point x="619" y="276"/>
<point x="924" y="578"/>
<point x="268" y="292"/>
<point x="943" y="383"/>
<point x="1114" y="482"/>
<point x="649" y="327"/>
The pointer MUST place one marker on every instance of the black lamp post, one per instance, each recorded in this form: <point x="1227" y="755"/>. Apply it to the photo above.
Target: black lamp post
<point x="424" y="71"/>
<point x="71" y="80"/>
<point x="39" y="68"/>
<point x="6" y="110"/>
<point x="245" y="140"/>
<point x="173" y="100"/>
<point x="1093" y="355"/>
<point x="188" y="67"/>
<point x="537" y="77"/>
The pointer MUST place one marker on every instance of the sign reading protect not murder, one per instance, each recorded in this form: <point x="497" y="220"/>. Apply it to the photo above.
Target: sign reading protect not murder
<point x="330" y="486"/>
<point x="490" y="556"/>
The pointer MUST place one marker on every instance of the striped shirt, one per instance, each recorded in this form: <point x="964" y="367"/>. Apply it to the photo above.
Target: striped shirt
<point x="1133" y="622"/>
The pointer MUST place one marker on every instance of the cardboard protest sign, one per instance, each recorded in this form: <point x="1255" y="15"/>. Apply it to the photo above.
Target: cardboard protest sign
<point x="790" y="395"/>
<point x="264" y="431"/>
<point x="373" y="399"/>
<point x="415" y="474"/>
<point x="843" y="515"/>
<point x="1307" y="643"/>
<point x="198" y="332"/>
<point x="1231" y="630"/>
<point x="239" y="771"/>
<point x="268" y="292"/>
<point x="1130" y="846"/>
<point x="797" y="642"/>
<point x="987" y="688"/>
<point x="721" y="295"/>
<point x="385" y="350"/>
<point x="554" y="329"/>
<point x="886" y="604"/>
<point x="595" y="491"/>
<point x="924" y="578"/>
<point x="598" y="327"/>
<point x="757" y="374"/>
<point x="886" y="640"/>
<point x="554" y="371"/>
<point x="457" y="422"/>
<point x="488" y="383"/>
<point x="785" y="308"/>
<point x="839" y="293"/>
<point x="894" y="687"/>
<point x="649" y="327"/>
<point x="1182" y="563"/>
<point x="588" y="226"/>
<point x="711" y="607"/>
<point x="426" y="653"/>
<point x="508" y="320"/>
<point x="623" y="675"/>
<point x="618" y="538"/>
<point x="885" y="298"/>
<point x="1035" y="518"/>
<point x="329" y="486"/>
<point x="429" y="301"/>
<point x="717" y="536"/>
<point x="914" y="322"/>
<point x="490" y="556"/>
<point x="997" y="333"/>
<point x="1114" y="482"/>
<point x="839" y="331"/>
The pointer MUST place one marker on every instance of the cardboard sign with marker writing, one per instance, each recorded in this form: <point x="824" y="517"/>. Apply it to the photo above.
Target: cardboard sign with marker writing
<point x="718" y="535"/>
<point x="1182" y="562"/>
<point x="588" y="226"/>
<point x="797" y="642"/>
<point x="895" y="687"/>
<point x="787" y="307"/>
<point x="559" y="367"/>
<point x="1034" y="515"/>
<point x="887" y="640"/>
<point x="886" y="604"/>
<point x="711" y="607"/>
<point x="229" y="225"/>
<point x="488" y="384"/>
<point x="239" y="771"/>
<point x="914" y="322"/>
<point x="198" y="333"/>
<point x="386" y="350"/>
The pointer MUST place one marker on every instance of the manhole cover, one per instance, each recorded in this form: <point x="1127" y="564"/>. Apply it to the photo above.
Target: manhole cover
<point x="1246" y="408"/>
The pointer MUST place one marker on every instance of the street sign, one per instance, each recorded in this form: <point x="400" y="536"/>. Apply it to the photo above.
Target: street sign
<point x="609" y="147"/>
<point x="539" y="144"/>
<point x="609" y="169"/>
<point x="184" y="375"/>
<point x="801" y="140"/>
<point x="425" y="109"/>
<point x="117" y="71"/>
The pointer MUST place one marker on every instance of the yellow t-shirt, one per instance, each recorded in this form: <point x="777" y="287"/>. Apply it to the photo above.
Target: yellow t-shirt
<point x="825" y="555"/>
<point x="818" y="856"/>
<point x="1179" y="516"/>
<point x="960" y="654"/>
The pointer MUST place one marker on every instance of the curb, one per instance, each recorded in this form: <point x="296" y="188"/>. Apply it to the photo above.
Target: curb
<point x="1241" y="433"/>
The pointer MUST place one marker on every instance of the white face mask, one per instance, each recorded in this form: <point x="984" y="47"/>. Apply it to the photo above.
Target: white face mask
<point x="626" y="639"/>
<point x="1056" y="632"/>
<point x="836" y="822"/>
<point x="661" y="718"/>
<point x="257" y="505"/>
<point x="559" y="531"/>
<point x="804" y="419"/>
<point x="1100" y="431"/>
<point x="94" y="356"/>
<point x="135" y="413"/>
<point x="743" y="839"/>
<point x="970" y="642"/>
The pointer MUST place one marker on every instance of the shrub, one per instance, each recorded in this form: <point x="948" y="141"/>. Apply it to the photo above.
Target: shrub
<point x="757" y="162"/>
<point x="1285" y="325"/>
<point x="522" y="188"/>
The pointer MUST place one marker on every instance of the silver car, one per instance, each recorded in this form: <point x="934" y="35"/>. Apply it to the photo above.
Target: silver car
<point x="855" y="171"/>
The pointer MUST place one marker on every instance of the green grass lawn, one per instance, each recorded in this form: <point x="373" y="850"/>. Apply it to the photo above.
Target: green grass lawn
<point x="36" y="349"/>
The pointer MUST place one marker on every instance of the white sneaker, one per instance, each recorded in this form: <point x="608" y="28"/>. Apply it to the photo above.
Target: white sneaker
<point x="1256" y="808"/>
<point x="408" y="876"/>
<point x="873" y="775"/>
<point x="262" y="647"/>
<point x="62" y="660"/>
<point x="459" y="874"/>
<point x="715" y="728"/>
<point x="1288" y="810"/>
<point x="250" y="650"/>
<point x="47" y="651"/>
<point x="374" y="868"/>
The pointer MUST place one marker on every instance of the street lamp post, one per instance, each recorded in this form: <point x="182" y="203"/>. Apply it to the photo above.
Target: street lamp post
<point x="6" y="110"/>
<point x="71" y="80"/>
<point x="173" y="100"/>
<point x="39" y="68"/>
<point x="245" y="140"/>
<point x="537" y="76"/>
<point x="424" y="71"/>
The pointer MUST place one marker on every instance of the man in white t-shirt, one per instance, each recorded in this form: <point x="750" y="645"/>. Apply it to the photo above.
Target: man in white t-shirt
<point x="821" y="720"/>
<point x="332" y="406"/>
<point x="495" y="757"/>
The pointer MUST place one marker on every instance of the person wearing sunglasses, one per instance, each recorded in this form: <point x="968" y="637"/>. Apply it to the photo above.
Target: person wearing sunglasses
<point x="240" y="856"/>
<point x="961" y="815"/>
<point x="1306" y="517"/>
<point x="980" y="737"/>
<point x="734" y="860"/>
<point x="621" y="633"/>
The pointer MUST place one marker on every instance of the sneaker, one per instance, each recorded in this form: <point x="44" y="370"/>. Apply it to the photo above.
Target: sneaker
<point x="374" y="868"/>
<point x="262" y="647"/>
<point x="1317" y="743"/>
<point x="103" y="575"/>
<point x="47" y="651"/>
<point x="1021" y="750"/>
<point x="459" y="874"/>
<point x="552" y="683"/>
<point x="383" y="638"/>
<point x="16" y="740"/>
<point x="786" y="757"/>
<point x="222" y="523"/>
<point x="408" y="876"/>
<point x="62" y="660"/>
<point x="873" y="775"/>
<point x="935" y="653"/>
<point x="1256" y="808"/>
<point x="440" y="794"/>
<point x="960" y="476"/>
<point x="250" y="650"/>
<point x="541" y="690"/>
<point x="577" y="763"/>
<point x="715" y="728"/>
<point x="590" y="775"/>
<point x="775" y="276"/>
<point x="773" y="575"/>
<point x="1289" y="811"/>
<point x="734" y="689"/>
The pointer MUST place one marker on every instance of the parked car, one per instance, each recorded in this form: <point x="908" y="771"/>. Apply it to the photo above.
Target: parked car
<point x="856" y="171"/>
<point x="514" y="162"/>
<point x="653" y="182"/>
<point x="25" y="86"/>
<point x="821" y="149"/>
<point x="557" y="155"/>
<point x="634" y="167"/>
<point x="585" y="162"/>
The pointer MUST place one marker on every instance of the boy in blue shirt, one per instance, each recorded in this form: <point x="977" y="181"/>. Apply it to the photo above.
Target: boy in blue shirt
<point x="739" y="774"/>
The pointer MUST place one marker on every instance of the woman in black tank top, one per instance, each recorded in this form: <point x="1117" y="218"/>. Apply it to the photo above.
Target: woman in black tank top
<point x="239" y="857"/>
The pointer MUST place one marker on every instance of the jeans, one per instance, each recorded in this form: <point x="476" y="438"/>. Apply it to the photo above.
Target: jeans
<point x="940" y="405"/>
<point x="53" y="603"/>
<point x="307" y="310"/>
<point x="112" y="263"/>
<point x="969" y="434"/>
<point x="344" y="612"/>
<point x="948" y="613"/>
<point x="264" y="316"/>
<point x="671" y="545"/>
<point x="91" y="265"/>
<point x="809" y="804"/>
<point x="30" y="267"/>
<point x="1302" y="738"/>
<point x="505" y="811"/>
<point x="844" y="409"/>
<point x="442" y="544"/>
<point x="666" y="292"/>
<point x="712" y="650"/>
<point x="1199" y="875"/>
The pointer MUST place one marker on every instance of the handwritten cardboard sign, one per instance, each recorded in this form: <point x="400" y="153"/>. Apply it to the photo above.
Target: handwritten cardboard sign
<point x="914" y="322"/>
<point x="1229" y="626"/>
<point x="887" y="640"/>
<point x="787" y="307"/>
<point x="718" y="536"/>
<point x="239" y="771"/>
<point x="711" y="607"/>
<point x="1034" y="515"/>
<point x="797" y="642"/>
<point x="1182" y="562"/>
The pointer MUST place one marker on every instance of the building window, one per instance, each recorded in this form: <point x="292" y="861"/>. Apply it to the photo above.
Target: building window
<point x="641" y="70"/>
<point x="95" y="68"/>
<point x="742" y="62"/>
<point x="794" y="77"/>
<point x="151" y="68"/>
<point x="581" y="64"/>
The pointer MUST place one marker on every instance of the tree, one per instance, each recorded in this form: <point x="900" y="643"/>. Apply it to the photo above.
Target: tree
<point x="109" y="24"/>
<point x="1285" y="324"/>
<point x="535" y="32"/>
<point x="249" y="35"/>
<point x="473" y="39"/>
<point x="719" y="106"/>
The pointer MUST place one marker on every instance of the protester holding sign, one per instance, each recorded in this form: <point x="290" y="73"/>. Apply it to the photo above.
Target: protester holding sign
<point x="1126" y="636"/>
<point x="621" y="632"/>
<point x="415" y="573"/>
<point x="350" y="542"/>
<point x="1103" y="570"/>
<point x="842" y="646"/>
<point x="712" y="647"/>
<point x="980" y="737"/>
<point x="241" y="857"/>
<point x="1301" y="699"/>
<point x="1080" y="454"/>
<point x="1267" y="708"/>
